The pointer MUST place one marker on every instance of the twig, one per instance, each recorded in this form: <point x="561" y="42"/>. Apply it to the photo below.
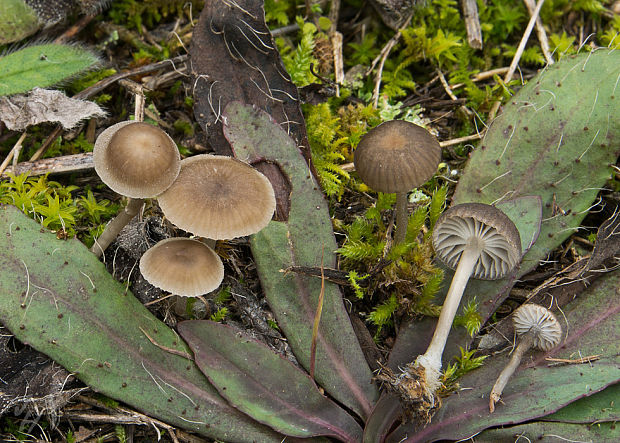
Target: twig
<point x="66" y="163"/>
<point x="100" y="86"/>
<point x="380" y="60"/>
<point x="74" y="29"/>
<point x="574" y="361"/>
<point x="336" y="41"/>
<point x="167" y="349"/>
<point x="518" y="53"/>
<point x="317" y="320"/>
<point x="456" y="141"/>
<point x="472" y="24"/>
<point x="13" y="153"/>
<point x="540" y="32"/>
<point x="334" y="12"/>
<point x="445" y="85"/>
<point x="483" y="76"/>
<point x="385" y="52"/>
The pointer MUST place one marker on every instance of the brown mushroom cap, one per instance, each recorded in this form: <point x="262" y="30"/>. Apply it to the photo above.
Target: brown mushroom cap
<point x="182" y="266"/>
<point x="532" y="317"/>
<point x="218" y="197"/>
<point x="397" y="156"/>
<point x="136" y="159"/>
<point x="491" y="228"/>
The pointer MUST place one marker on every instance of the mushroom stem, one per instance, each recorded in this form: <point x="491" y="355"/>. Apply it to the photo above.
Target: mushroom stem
<point x="401" y="217"/>
<point x="116" y="224"/>
<point x="431" y="360"/>
<point x="524" y="345"/>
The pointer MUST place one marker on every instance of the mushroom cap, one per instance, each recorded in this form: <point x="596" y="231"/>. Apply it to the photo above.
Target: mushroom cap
<point x="496" y="234"/>
<point x="182" y="266"/>
<point x="546" y="327"/>
<point x="136" y="159"/>
<point x="397" y="156"/>
<point x="219" y="197"/>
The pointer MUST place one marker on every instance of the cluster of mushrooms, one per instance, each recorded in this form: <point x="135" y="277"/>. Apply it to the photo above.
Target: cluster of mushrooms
<point x="476" y="240"/>
<point x="212" y="197"/>
<point x="219" y="198"/>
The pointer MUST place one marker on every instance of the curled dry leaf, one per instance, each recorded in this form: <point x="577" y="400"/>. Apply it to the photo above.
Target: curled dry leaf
<point x="45" y="105"/>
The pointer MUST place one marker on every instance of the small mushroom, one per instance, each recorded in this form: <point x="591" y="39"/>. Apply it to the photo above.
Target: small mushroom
<point x="182" y="266"/>
<point x="536" y="327"/>
<point x="136" y="160"/>
<point x="480" y="241"/>
<point x="219" y="198"/>
<point x="396" y="157"/>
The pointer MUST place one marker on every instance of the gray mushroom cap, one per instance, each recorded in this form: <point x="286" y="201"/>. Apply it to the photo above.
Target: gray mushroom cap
<point x="532" y="317"/>
<point x="182" y="266"/>
<point x="136" y="159"/>
<point x="397" y="156"/>
<point x="496" y="234"/>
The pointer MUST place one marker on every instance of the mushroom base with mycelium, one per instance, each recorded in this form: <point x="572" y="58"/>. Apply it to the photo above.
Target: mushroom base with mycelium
<point x="481" y="242"/>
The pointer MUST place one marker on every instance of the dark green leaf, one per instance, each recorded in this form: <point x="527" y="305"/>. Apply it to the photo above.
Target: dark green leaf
<point x="264" y="385"/>
<point x="57" y="297"/>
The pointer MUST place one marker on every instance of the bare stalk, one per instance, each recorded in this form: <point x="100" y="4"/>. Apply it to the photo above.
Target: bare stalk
<point x="116" y="224"/>
<point x="527" y="340"/>
<point x="431" y="360"/>
<point x="402" y="220"/>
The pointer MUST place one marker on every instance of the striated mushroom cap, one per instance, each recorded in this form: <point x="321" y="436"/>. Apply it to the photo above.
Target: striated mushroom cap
<point x="136" y="159"/>
<point x="397" y="156"/>
<point x="182" y="266"/>
<point x="491" y="228"/>
<point x="532" y="317"/>
<point x="218" y="197"/>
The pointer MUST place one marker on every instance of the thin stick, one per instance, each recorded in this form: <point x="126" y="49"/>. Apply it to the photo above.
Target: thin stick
<point x="12" y="154"/>
<point x="518" y="54"/>
<point x="574" y="361"/>
<point x="472" y="24"/>
<point x="540" y="32"/>
<point x="167" y="349"/>
<point x="380" y="59"/>
<point x="66" y="163"/>
<point x="317" y="319"/>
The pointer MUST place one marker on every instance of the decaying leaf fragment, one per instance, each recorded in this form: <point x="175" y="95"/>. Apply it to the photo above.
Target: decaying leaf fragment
<point x="45" y="105"/>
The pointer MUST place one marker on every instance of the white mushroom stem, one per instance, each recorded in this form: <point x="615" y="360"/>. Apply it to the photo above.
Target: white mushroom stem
<point x="401" y="217"/>
<point x="115" y="225"/>
<point x="526" y="343"/>
<point x="431" y="360"/>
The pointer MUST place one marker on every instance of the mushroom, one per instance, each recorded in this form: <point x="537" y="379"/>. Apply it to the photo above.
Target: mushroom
<point x="218" y="197"/>
<point x="396" y="157"/>
<point x="480" y="241"/>
<point x="136" y="160"/>
<point x="182" y="266"/>
<point x="536" y="327"/>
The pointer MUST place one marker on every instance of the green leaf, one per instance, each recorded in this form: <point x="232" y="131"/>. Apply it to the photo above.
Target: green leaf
<point x="17" y="21"/>
<point x="526" y="214"/>
<point x="42" y="66"/>
<point x="553" y="432"/>
<point x="57" y="297"/>
<point x="264" y="385"/>
<point x="304" y="239"/>
<point x="539" y="388"/>
<point x="600" y="407"/>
